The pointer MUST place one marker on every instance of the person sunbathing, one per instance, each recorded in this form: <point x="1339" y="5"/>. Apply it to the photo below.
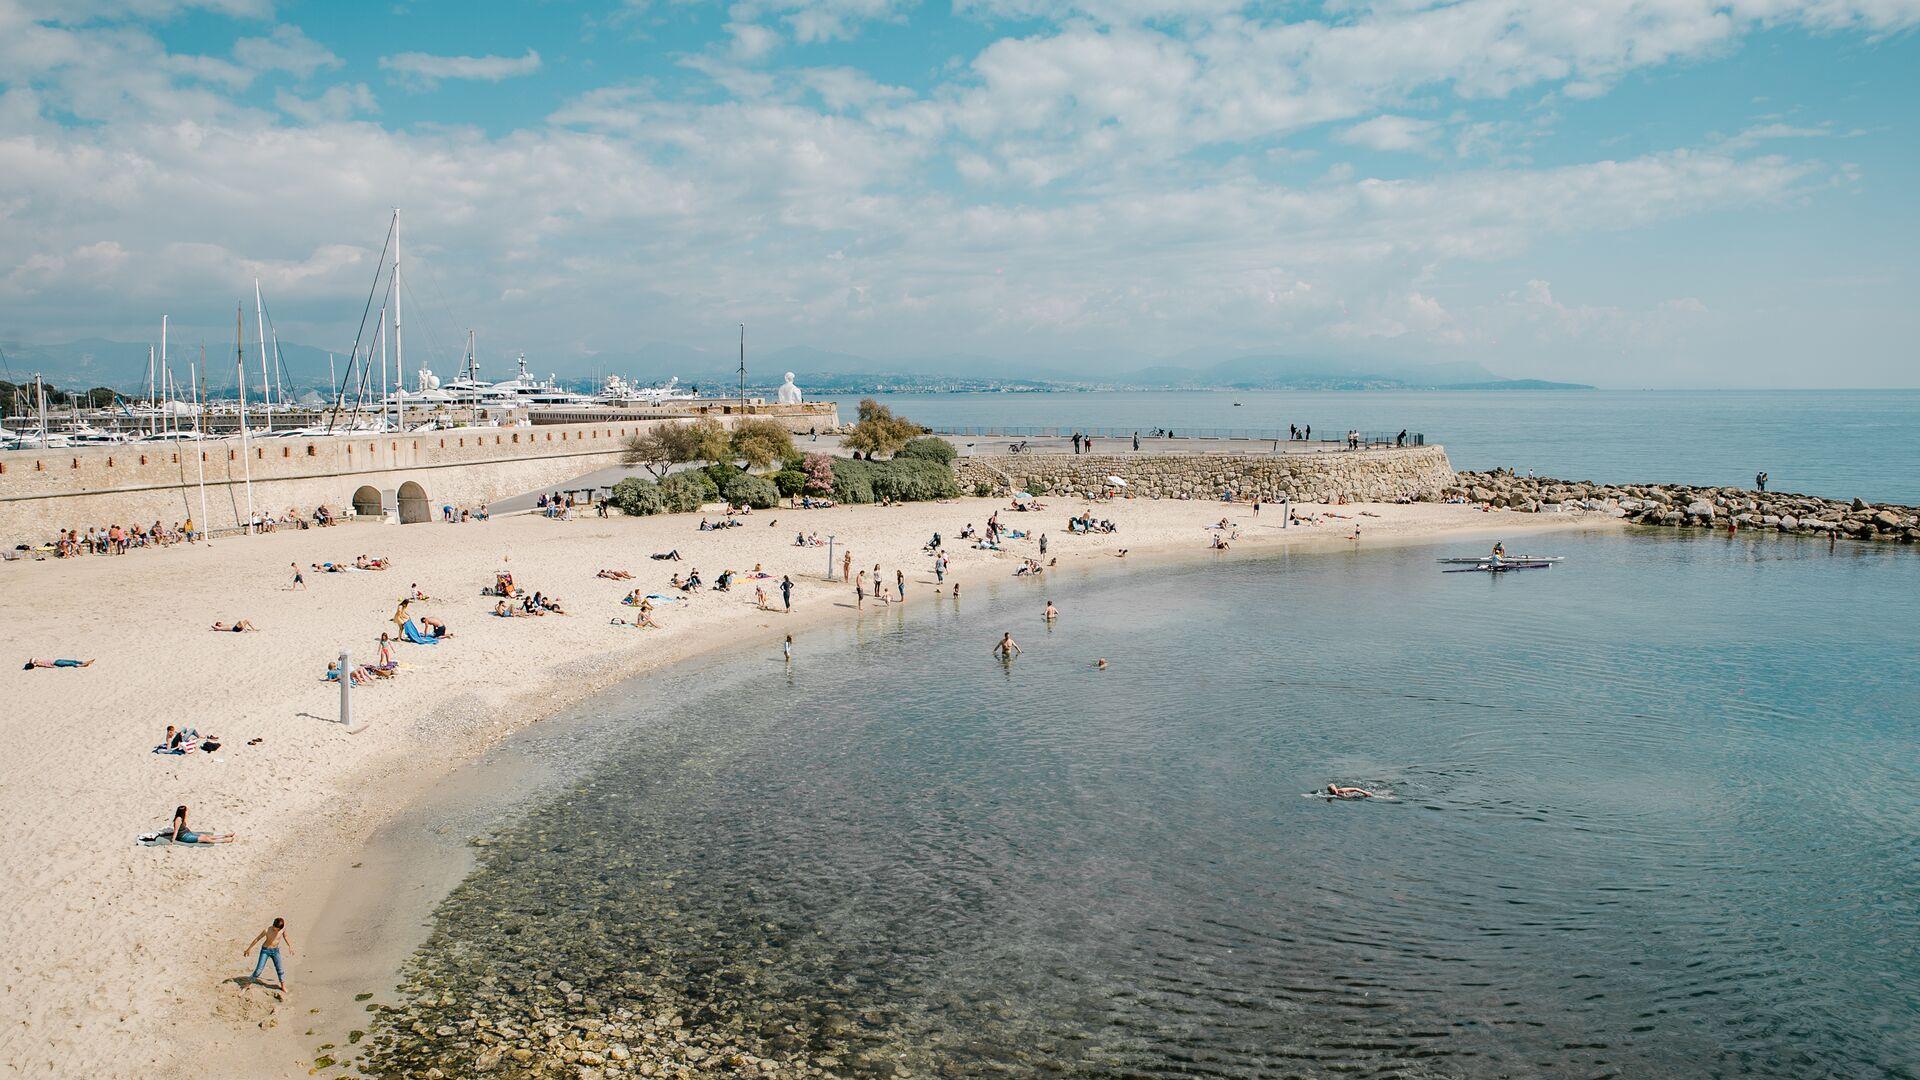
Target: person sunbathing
<point x="666" y="556"/>
<point x="238" y="626"/>
<point x="723" y="583"/>
<point x="505" y="610"/>
<point x="527" y="607"/>
<point x="615" y="575"/>
<point x="59" y="663"/>
<point x="548" y="603"/>
<point x="186" y="740"/>
<point x="179" y="833"/>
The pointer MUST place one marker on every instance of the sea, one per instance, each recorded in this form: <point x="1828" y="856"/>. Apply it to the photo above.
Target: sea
<point x="1840" y="444"/>
<point x="1651" y="812"/>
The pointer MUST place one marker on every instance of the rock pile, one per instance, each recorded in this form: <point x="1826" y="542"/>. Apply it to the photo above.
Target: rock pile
<point x="1686" y="506"/>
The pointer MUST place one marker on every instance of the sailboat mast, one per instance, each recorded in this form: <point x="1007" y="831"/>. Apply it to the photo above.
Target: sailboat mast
<point x="399" y="341"/>
<point x="382" y="334"/>
<point x="246" y="449"/>
<point x="200" y="436"/>
<point x="164" y="397"/>
<point x="743" y="369"/>
<point x="266" y="384"/>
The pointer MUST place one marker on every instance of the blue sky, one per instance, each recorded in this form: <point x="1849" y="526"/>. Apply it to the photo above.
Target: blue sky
<point x="1628" y="192"/>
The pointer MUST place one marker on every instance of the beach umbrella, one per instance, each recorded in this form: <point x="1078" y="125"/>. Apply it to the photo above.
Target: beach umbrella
<point x="1116" y="481"/>
<point x="1021" y="496"/>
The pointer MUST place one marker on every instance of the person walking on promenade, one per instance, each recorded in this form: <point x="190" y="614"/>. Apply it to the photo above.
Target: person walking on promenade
<point x="1136" y="442"/>
<point x="271" y="941"/>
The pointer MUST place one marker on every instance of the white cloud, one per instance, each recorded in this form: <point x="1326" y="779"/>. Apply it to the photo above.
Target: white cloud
<point x="335" y="103"/>
<point x="1390" y="133"/>
<point x="288" y="49"/>
<point x="425" y="70"/>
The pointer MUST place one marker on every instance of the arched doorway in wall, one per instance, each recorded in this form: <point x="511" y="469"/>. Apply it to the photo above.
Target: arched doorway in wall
<point x="366" y="501"/>
<point x="413" y="504"/>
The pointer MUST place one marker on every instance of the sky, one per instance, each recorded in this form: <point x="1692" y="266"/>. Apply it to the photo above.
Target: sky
<point x="1622" y="192"/>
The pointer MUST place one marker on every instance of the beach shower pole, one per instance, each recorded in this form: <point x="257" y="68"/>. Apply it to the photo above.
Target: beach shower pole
<point x="829" y="556"/>
<point x="346" y="690"/>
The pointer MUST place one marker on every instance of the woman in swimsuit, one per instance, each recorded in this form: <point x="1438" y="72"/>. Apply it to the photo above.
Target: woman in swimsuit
<point x="180" y="834"/>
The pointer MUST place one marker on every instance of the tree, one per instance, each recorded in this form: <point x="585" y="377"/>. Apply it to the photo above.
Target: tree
<point x="819" y="470"/>
<point x="761" y="442"/>
<point x="665" y="445"/>
<point x="635" y="497"/>
<point x="879" y="431"/>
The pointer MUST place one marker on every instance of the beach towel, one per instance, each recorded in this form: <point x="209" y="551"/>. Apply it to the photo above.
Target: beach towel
<point x="410" y="632"/>
<point x="665" y="599"/>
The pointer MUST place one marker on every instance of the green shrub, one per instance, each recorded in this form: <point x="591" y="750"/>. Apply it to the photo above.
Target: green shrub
<point x="755" y="491"/>
<point x="928" y="448"/>
<point x="852" y="481"/>
<point x="983" y="490"/>
<point x="635" y="497"/>
<point x="1035" y="486"/>
<point x="790" y="482"/>
<point x="721" y="473"/>
<point x="913" y="480"/>
<point x="683" y="492"/>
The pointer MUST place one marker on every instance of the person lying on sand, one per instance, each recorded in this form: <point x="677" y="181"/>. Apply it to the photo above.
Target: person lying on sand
<point x="238" y="626"/>
<point x="37" y="662"/>
<point x="180" y="834"/>
<point x="185" y="740"/>
<point x="1339" y="792"/>
<point x="615" y="575"/>
<point x="666" y="556"/>
<point x="505" y="610"/>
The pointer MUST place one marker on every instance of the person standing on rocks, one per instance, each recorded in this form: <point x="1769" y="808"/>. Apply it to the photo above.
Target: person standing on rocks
<point x="1760" y="481"/>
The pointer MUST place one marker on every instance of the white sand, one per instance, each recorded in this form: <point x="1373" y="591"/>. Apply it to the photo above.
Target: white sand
<point x="109" y="952"/>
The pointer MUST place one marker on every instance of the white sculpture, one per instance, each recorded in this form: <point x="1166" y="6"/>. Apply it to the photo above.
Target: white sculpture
<point x="788" y="394"/>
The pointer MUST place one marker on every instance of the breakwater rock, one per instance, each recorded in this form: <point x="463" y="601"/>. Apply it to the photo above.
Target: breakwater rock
<point x="1682" y="505"/>
<point x="1381" y="475"/>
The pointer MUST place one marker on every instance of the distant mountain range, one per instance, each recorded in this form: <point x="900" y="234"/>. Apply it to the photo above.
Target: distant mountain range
<point x="122" y="365"/>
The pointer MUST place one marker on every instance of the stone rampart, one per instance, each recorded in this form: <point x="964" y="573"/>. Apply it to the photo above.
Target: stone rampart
<point x="1382" y="475"/>
<point x="42" y="491"/>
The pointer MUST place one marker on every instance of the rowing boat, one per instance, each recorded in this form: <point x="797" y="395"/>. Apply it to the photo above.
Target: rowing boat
<point x="1507" y="558"/>
<point x="1498" y="568"/>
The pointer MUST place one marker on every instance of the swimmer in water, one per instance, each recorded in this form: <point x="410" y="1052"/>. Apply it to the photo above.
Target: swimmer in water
<point x="1101" y="663"/>
<point x="1338" y="792"/>
<point x="1008" y="648"/>
<point x="1052" y="612"/>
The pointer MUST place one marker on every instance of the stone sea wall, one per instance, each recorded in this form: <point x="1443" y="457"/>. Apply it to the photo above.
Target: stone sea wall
<point x="1360" y="476"/>
<point x="1682" y="505"/>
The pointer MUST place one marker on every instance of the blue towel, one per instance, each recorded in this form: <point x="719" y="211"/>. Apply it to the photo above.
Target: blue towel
<point x="412" y="633"/>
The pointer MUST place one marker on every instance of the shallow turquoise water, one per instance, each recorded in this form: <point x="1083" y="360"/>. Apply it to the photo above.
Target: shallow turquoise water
<point x="1655" y="815"/>
<point x="1836" y="443"/>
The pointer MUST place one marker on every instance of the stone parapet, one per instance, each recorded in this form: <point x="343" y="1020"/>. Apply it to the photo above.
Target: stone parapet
<point x="1383" y="475"/>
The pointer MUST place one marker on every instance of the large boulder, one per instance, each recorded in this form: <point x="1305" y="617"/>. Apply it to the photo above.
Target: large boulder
<point x="1700" y="508"/>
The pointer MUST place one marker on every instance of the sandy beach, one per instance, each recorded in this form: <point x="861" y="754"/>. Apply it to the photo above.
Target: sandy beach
<point x="120" y="959"/>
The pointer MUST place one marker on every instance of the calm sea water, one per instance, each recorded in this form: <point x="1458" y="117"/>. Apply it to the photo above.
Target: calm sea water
<point x="1654" y="814"/>
<point x="1840" y="444"/>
